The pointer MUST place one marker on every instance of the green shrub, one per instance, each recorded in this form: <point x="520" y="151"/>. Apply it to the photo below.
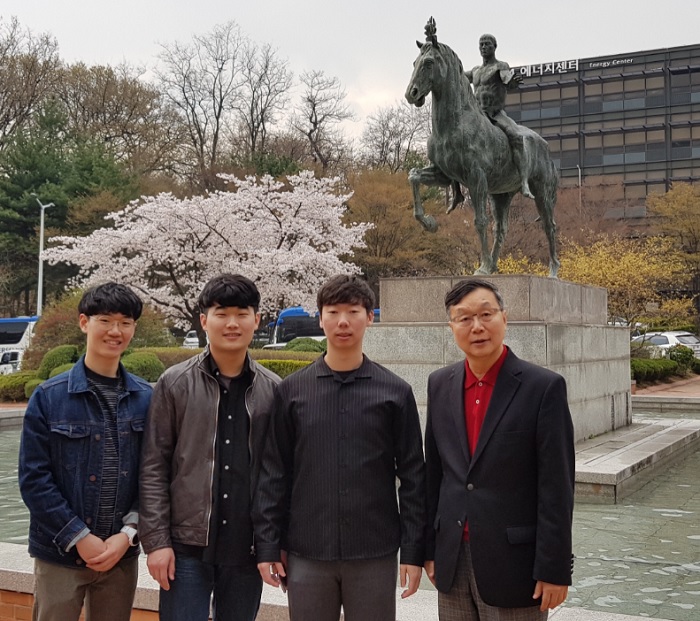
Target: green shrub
<point x="61" y="368"/>
<point x="305" y="343"/>
<point x="12" y="385"/>
<point x="281" y="354"/>
<point x="649" y="370"/>
<point x="683" y="355"/>
<point x="695" y="366"/>
<point x="284" y="367"/>
<point x="31" y="385"/>
<point x="144" y="364"/>
<point x="169" y="356"/>
<point x="56" y="357"/>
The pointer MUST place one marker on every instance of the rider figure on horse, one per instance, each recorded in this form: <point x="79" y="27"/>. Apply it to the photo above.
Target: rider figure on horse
<point x="492" y="80"/>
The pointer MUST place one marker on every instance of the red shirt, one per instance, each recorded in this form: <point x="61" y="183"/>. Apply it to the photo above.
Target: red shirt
<point x="477" y="396"/>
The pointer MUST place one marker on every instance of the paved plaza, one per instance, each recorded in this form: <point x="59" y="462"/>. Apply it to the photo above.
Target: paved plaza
<point x="640" y="557"/>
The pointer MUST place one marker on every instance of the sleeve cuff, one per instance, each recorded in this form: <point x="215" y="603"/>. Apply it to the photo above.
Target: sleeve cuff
<point x="81" y="535"/>
<point x="267" y="553"/>
<point x="411" y="556"/>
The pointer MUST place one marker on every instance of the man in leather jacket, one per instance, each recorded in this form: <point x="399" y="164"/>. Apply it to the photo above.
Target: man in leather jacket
<point x="204" y="435"/>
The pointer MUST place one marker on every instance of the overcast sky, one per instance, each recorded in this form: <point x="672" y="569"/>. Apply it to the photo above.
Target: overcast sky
<point x="368" y="44"/>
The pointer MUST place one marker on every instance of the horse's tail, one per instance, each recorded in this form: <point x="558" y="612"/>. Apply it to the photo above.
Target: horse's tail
<point x="554" y="175"/>
<point x="548" y="173"/>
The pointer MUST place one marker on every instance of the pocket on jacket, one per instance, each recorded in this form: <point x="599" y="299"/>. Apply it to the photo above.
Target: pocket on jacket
<point x="71" y="431"/>
<point x="138" y="424"/>
<point x="518" y="535"/>
<point x="71" y="446"/>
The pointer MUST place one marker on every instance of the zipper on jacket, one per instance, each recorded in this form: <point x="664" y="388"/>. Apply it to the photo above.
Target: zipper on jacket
<point x="213" y="461"/>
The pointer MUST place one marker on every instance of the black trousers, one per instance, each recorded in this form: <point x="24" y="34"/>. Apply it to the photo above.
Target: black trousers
<point x="366" y="589"/>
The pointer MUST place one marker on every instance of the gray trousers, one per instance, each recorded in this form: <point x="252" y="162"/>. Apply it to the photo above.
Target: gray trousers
<point x="59" y="592"/>
<point x="463" y="602"/>
<point x="366" y="589"/>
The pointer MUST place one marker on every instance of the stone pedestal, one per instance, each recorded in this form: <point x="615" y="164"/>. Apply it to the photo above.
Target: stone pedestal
<point x="556" y="324"/>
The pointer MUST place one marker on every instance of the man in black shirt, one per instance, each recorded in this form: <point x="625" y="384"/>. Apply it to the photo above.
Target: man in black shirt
<point x="343" y="430"/>
<point x="206" y="426"/>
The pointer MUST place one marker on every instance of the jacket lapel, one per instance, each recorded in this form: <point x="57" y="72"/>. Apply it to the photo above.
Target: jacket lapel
<point x="506" y="386"/>
<point x="455" y="402"/>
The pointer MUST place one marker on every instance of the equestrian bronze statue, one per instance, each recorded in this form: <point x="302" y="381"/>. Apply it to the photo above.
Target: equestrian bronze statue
<point x="476" y="145"/>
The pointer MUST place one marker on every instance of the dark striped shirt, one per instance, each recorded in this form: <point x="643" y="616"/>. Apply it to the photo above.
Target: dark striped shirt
<point x="337" y="445"/>
<point x="107" y="390"/>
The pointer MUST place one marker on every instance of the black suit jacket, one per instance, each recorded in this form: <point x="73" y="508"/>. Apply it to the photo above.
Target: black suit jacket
<point x="517" y="489"/>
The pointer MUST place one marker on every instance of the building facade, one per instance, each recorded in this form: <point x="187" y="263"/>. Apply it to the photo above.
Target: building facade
<point x="628" y="123"/>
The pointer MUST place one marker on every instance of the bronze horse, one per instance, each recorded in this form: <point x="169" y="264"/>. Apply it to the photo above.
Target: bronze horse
<point x="466" y="148"/>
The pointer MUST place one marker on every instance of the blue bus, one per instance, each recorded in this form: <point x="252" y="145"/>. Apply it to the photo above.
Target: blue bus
<point x="294" y="322"/>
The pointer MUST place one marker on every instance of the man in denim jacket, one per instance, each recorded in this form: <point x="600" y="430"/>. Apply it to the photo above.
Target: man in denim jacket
<point x="78" y="470"/>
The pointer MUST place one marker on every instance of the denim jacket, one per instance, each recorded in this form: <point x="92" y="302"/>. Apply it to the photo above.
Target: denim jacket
<point x="60" y="461"/>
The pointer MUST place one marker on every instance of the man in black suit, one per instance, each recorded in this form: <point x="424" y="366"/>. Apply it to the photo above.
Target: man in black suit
<point x="500" y="472"/>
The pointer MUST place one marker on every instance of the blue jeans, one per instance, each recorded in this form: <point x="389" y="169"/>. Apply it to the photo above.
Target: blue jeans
<point x="236" y="591"/>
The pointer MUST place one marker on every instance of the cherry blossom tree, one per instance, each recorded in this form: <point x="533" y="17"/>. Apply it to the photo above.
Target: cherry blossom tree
<point x="287" y="238"/>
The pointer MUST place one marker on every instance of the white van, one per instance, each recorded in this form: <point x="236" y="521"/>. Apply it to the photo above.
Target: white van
<point x="10" y="361"/>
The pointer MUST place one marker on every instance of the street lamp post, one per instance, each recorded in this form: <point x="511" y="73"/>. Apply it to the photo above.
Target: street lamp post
<point x="40" y="286"/>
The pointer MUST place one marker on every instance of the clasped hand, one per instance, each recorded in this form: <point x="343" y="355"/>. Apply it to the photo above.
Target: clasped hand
<point x="102" y="555"/>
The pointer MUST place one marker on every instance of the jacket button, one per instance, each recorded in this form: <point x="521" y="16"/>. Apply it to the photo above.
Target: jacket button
<point x="98" y="437"/>
<point x="459" y="523"/>
<point x="470" y="487"/>
<point x="88" y="520"/>
<point x="78" y="561"/>
<point x="93" y="478"/>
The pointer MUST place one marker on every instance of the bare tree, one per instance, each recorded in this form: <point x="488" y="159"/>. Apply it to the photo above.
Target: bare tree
<point x="321" y="110"/>
<point x="266" y="84"/>
<point x="393" y="133"/>
<point x="28" y="64"/>
<point x="116" y="106"/>
<point x="202" y="80"/>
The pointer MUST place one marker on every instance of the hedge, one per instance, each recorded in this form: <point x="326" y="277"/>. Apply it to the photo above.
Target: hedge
<point x="144" y="364"/>
<point x="31" y="385"/>
<point x="56" y="357"/>
<point x="61" y="368"/>
<point x="305" y="343"/>
<point x="169" y="356"/>
<point x="646" y="370"/>
<point x="281" y="354"/>
<point x="12" y="385"/>
<point x="284" y="367"/>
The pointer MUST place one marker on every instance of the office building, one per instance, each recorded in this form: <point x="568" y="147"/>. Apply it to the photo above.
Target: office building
<point x="627" y="123"/>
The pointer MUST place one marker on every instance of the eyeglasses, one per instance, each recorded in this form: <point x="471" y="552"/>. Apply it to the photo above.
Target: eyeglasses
<point x="106" y="324"/>
<point x="467" y="321"/>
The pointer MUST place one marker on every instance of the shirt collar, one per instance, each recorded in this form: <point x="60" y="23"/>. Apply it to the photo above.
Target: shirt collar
<point x="213" y="369"/>
<point x="323" y="370"/>
<point x="491" y="375"/>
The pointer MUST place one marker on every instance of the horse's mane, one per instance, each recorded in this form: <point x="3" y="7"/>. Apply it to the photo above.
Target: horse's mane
<point x="451" y="57"/>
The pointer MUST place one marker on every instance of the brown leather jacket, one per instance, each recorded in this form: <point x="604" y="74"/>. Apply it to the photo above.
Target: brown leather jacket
<point x="177" y="461"/>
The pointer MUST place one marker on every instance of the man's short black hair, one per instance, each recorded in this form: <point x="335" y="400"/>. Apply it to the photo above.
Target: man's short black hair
<point x="229" y="290"/>
<point x="110" y="297"/>
<point x="465" y="287"/>
<point x="345" y="289"/>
